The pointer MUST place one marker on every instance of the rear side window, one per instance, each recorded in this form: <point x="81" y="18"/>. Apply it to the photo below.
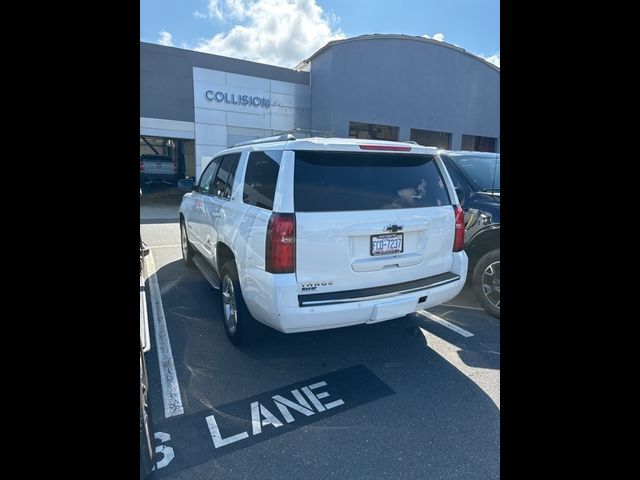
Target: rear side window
<point x="261" y="178"/>
<point x="224" y="176"/>
<point x="343" y="181"/>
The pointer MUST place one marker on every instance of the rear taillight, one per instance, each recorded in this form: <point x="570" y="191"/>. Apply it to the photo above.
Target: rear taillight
<point x="458" y="241"/>
<point x="141" y="166"/>
<point x="281" y="243"/>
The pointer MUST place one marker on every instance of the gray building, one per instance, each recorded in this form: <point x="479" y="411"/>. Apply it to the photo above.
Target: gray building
<point x="390" y="87"/>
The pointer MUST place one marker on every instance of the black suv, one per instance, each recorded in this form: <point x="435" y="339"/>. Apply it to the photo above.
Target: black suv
<point x="476" y="176"/>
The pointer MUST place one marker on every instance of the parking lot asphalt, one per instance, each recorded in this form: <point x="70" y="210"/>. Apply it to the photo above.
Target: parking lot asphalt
<point x="420" y="394"/>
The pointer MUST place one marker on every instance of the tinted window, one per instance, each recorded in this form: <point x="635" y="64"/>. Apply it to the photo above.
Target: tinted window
<point x="156" y="158"/>
<point x="372" y="131"/>
<point x="205" y="179"/>
<point x="478" y="144"/>
<point x="430" y="138"/>
<point x="483" y="171"/>
<point x="260" y="179"/>
<point x="232" y="174"/>
<point x="455" y="178"/>
<point x="457" y="181"/>
<point x="224" y="177"/>
<point x="337" y="181"/>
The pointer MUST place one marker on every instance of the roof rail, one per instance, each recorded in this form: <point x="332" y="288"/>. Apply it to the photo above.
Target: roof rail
<point x="316" y="133"/>
<point x="276" y="138"/>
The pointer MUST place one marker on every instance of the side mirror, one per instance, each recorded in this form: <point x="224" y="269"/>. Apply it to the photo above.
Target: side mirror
<point x="185" y="184"/>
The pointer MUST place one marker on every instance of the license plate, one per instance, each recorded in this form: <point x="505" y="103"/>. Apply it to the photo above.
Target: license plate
<point x="386" y="244"/>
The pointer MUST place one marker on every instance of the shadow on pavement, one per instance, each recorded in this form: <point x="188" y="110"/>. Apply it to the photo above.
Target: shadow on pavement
<point x="438" y="424"/>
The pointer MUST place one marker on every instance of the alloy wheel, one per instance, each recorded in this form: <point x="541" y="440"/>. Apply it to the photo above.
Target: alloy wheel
<point x="491" y="283"/>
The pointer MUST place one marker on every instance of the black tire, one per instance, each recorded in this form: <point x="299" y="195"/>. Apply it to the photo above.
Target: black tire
<point x="244" y="329"/>
<point x="187" y="251"/>
<point x="486" y="282"/>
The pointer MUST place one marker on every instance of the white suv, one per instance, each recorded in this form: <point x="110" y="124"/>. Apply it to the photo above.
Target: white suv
<point x="321" y="233"/>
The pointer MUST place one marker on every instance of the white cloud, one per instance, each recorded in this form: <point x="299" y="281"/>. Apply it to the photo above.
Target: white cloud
<point x="214" y="9"/>
<point x="221" y="9"/>
<point x="495" y="59"/>
<point x="200" y="14"/>
<point x="277" y="32"/>
<point x="165" y="39"/>
<point x="237" y="8"/>
<point x="438" y="36"/>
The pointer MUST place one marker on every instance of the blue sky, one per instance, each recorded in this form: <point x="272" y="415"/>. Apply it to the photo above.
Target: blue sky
<point x="285" y="32"/>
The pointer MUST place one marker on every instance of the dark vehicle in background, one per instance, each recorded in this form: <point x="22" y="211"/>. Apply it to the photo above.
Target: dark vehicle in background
<point x="476" y="177"/>
<point x="158" y="169"/>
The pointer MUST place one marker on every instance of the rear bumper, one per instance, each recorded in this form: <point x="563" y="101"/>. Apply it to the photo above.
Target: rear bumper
<point x="378" y="293"/>
<point x="305" y="319"/>
<point x="150" y="178"/>
<point x="342" y="309"/>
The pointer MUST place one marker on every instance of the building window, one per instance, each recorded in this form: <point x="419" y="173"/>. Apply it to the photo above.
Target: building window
<point x="155" y="146"/>
<point x="429" y="138"/>
<point x="373" y="132"/>
<point x="475" y="143"/>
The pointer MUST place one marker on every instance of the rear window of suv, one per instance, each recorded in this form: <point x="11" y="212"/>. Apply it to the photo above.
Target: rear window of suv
<point x="156" y="158"/>
<point x="344" y="181"/>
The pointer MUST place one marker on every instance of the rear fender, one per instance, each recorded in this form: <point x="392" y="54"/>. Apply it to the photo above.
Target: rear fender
<point x="481" y="242"/>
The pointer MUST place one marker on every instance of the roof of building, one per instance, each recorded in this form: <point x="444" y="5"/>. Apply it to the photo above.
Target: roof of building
<point x="385" y="36"/>
<point x="228" y="64"/>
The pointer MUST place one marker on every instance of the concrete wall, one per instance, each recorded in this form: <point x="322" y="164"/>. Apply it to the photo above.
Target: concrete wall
<point x="222" y="119"/>
<point x="407" y="83"/>
<point x="166" y="78"/>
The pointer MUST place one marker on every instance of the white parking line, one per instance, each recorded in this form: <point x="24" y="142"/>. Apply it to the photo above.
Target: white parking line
<point x="444" y="323"/>
<point x="460" y="306"/>
<point x="168" y="378"/>
<point x="165" y="246"/>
